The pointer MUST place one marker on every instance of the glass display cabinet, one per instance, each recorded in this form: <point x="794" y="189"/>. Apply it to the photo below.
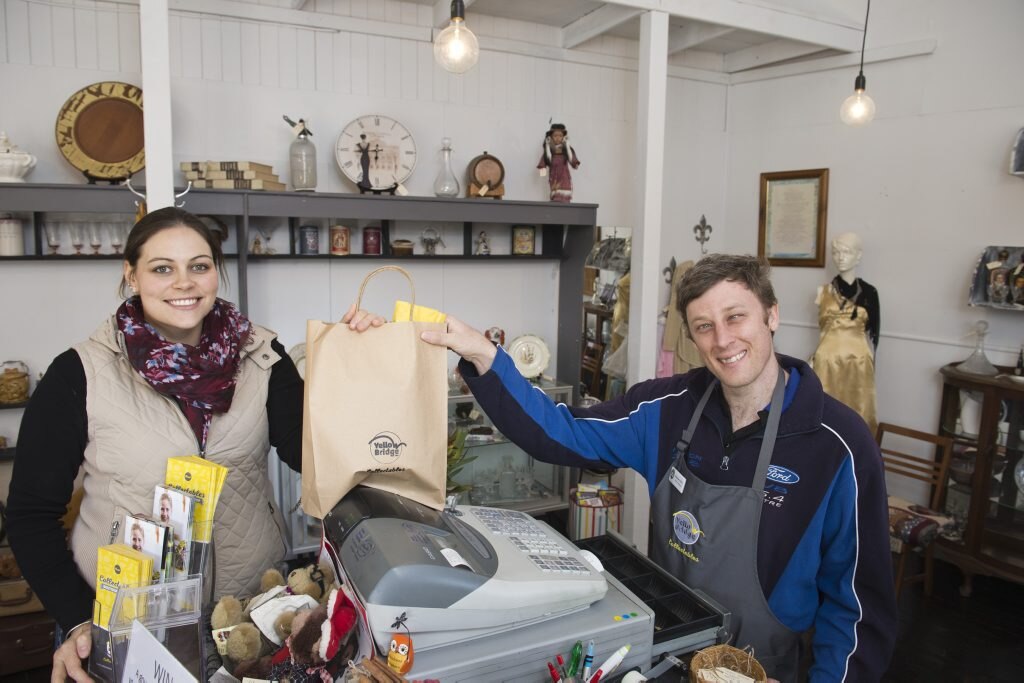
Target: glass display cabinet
<point x="985" y="492"/>
<point x="498" y="473"/>
<point x="301" y="531"/>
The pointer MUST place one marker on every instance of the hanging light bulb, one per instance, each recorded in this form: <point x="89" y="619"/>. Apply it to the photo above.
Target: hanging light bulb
<point x="456" y="48"/>
<point x="859" y="109"/>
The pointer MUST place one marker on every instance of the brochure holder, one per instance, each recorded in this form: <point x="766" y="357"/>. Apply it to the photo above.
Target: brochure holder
<point x="171" y="611"/>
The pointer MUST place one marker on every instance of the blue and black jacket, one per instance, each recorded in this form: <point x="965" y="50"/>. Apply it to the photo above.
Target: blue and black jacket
<point x="823" y="544"/>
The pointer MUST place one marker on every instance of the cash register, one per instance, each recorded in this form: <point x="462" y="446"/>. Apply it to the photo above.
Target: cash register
<point x="460" y="574"/>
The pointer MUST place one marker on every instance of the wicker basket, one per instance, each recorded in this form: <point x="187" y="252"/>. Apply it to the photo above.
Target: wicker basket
<point x="13" y="382"/>
<point x="729" y="657"/>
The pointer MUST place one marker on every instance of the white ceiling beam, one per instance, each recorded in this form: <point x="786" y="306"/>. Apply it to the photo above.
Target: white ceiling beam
<point x="595" y="23"/>
<point x="766" y="53"/>
<point x="291" y="17"/>
<point x="443" y="11"/>
<point x="692" y="35"/>
<point x="882" y="54"/>
<point x="750" y="17"/>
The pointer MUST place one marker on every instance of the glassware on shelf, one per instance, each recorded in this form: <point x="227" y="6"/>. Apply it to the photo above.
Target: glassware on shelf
<point x="95" y="236"/>
<point x="77" y="236"/>
<point x="977" y="363"/>
<point x="52" y="231"/>
<point x="266" y="231"/>
<point x="446" y="184"/>
<point x="117" y="232"/>
<point x="302" y="158"/>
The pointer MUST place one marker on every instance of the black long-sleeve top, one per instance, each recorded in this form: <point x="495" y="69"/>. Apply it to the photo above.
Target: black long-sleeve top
<point x="50" y="452"/>
<point x="868" y="299"/>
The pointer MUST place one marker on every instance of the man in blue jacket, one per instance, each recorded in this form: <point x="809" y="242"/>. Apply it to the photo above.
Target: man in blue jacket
<point x="765" y="492"/>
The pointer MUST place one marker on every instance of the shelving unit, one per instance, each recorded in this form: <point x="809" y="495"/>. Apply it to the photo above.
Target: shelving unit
<point x="564" y="234"/>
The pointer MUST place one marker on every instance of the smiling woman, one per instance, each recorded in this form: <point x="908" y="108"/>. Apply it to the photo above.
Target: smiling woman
<point x="175" y="371"/>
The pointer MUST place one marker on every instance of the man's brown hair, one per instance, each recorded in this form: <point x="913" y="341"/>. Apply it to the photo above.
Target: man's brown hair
<point x="750" y="271"/>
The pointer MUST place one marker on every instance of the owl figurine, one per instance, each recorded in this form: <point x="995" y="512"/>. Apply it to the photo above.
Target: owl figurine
<point x="400" y="654"/>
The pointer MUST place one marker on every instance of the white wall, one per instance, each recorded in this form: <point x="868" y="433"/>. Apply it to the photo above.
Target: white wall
<point x="925" y="185"/>
<point x="232" y="79"/>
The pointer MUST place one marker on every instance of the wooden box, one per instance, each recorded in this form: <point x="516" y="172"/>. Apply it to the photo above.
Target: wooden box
<point x="26" y="642"/>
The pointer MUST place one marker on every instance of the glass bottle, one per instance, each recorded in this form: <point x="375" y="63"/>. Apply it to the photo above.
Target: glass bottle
<point x="978" y="363"/>
<point x="446" y="184"/>
<point x="302" y="155"/>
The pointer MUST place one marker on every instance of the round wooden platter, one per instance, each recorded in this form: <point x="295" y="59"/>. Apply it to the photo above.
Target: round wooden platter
<point x="100" y="130"/>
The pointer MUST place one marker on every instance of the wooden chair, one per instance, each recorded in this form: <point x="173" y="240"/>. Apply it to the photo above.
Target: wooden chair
<point x="932" y="471"/>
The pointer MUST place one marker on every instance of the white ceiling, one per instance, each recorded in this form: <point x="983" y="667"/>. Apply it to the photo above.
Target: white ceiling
<point x="745" y="34"/>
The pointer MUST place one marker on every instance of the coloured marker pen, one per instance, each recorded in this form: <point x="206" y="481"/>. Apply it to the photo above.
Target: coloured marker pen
<point x="588" y="661"/>
<point x="610" y="664"/>
<point x="555" y="678"/>
<point x="574" y="660"/>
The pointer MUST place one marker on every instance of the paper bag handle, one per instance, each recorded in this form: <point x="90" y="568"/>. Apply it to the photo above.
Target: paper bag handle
<point x="403" y="271"/>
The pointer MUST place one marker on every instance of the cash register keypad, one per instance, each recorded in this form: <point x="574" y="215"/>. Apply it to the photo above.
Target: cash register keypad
<point x="509" y="523"/>
<point x="530" y="539"/>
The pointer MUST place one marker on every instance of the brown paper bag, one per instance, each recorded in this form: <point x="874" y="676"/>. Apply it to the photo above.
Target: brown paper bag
<point x="375" y="412"/>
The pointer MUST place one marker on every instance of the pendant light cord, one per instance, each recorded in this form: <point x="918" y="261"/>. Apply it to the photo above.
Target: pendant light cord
<point x="864" y="37"/>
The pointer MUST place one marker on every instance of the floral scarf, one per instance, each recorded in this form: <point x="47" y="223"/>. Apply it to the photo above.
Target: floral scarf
<point x="200" y="378"/>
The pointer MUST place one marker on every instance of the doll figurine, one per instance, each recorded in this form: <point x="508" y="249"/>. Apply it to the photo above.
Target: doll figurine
<point x="558" y="156"/>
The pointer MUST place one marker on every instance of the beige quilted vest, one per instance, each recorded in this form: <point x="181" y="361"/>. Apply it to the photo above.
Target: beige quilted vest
<point x="132" y="431"/>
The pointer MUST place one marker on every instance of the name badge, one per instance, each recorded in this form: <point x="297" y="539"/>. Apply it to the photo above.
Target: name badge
<point x="677" y="479"/>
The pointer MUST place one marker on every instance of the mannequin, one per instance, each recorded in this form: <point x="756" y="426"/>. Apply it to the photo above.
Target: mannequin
<point x="848" y="317"/>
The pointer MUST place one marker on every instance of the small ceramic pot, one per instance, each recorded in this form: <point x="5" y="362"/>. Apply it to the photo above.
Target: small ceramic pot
<point x="401" y="248"/>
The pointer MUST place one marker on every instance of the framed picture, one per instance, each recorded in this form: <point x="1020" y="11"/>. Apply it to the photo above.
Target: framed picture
<point x="791" y="218"/>
<point x="523" y="237"/>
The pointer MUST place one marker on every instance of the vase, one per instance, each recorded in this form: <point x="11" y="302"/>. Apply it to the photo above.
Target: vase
<point x="446" y="184"/>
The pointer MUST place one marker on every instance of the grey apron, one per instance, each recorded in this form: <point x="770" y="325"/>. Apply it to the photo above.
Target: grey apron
<point x="706" y="535"/>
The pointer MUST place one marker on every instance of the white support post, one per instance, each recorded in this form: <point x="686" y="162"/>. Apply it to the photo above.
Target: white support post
<point x="646" y="247"/>
<point x="156" y="105"/>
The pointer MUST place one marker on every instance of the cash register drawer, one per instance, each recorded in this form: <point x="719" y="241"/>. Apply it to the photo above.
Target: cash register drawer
<point x="679" y="611"/>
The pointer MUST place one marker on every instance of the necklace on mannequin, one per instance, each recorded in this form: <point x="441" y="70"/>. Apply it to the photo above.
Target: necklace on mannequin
<point x="839" y="285"/>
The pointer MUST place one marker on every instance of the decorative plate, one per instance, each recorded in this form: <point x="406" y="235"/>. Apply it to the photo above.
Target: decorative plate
<point x="298" y="355"/>
<point x="100" y="130"/>
<point x="530" y="354"/>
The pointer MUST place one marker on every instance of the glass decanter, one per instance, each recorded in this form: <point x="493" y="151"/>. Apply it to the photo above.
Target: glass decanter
<point x="446" y="184"/>
<point x="977" y="363"/>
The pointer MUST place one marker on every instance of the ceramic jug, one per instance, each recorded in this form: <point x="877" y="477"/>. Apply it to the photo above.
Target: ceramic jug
<point x="14" y="163"/>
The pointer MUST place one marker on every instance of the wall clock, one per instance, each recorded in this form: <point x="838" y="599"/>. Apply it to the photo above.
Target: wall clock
<point x="99" y="131"/>
<point x="377" y="153"/>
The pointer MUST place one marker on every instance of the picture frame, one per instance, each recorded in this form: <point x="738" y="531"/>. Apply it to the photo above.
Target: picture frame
<point x="523" y="239"/>
<point x="792" y="217"/>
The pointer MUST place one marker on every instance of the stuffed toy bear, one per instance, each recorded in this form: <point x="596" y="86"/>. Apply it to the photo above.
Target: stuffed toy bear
<point x="314" y="580"/>
<point x="322" y="640"/>
<point x="245" y="647"/>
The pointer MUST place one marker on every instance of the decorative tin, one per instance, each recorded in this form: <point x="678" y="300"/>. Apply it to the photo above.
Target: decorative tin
<point x="371" y="241"/>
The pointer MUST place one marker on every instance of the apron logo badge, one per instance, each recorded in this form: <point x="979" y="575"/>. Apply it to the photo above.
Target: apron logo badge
<point x="386" y="447"/>
<point x="782" y="475"/>
<point x="685" y="526"/>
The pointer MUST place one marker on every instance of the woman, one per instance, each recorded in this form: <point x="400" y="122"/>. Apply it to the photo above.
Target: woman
<point x="175" y="371"/>
<point x="558" y="156"/>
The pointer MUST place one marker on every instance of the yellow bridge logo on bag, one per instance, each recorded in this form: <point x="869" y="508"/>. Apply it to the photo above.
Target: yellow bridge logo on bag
<point x="386" y="447"/>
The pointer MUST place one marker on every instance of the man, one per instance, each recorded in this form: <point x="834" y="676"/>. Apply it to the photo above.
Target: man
<point x="766" y="493"/>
